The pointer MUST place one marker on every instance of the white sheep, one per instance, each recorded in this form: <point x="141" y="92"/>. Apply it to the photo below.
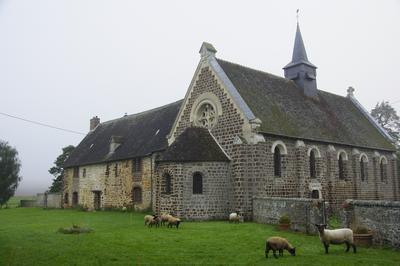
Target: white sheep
<point x="147" y="219"/>
<point x="336" y="236"/>
<point x="235" y="217"/>
<point x="164" y="218"/>
<point x="173" y="221"/>
<point x="155" y="221"/>
<point x="278" y="243"/>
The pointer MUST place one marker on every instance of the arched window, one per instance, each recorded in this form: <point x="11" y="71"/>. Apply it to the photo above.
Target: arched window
<point x="167" y="183"/>
<point x="341" y="166"/>
<point x="197" y="183"/>
<point x="277" y="162"/>
<point x="383" y="170"/>
<point x="313" y="171"/>
<point x="363" y="168"/>
<point x="315" y="194"/>
<point x="137" y="195"/>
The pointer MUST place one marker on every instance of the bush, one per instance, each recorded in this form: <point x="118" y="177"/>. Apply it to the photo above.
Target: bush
<point x="334" y="222"/>
<point x="284" y="219"/>
<point x="75" y="229"/>
<point x="361" y="230"/>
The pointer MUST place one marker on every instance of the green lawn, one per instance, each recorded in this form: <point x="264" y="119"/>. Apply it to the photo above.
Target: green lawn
<point x="28" y="236"/>
<point x="13" y="202"/>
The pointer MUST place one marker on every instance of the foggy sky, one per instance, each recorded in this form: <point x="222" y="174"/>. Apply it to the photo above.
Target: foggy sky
<point x="62" y="62"/>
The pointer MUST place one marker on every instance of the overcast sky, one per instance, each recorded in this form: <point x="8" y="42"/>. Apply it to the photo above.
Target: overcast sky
<point x="62" y="62"/>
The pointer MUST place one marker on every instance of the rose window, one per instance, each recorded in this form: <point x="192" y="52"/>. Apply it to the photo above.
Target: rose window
<point x="206" y="116"/>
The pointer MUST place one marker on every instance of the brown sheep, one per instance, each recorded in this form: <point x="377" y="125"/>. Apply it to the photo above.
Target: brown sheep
<point x="278" y="243"/>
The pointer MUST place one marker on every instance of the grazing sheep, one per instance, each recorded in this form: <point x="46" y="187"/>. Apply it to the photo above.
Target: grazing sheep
<point x="278" y="243"/>
<point x="155" y="221"/>
<point x="151" y="220"/>
<point x="164" y="218"/>
<point x="235" y="217"/>
<point x="337" y="236"/>
<point x="147" y="219"/>
<point x="173" y="221"/>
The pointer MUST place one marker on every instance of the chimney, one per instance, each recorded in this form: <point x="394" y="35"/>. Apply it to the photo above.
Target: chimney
<point x="94" y="122"/>
<point x="300" y="70"/>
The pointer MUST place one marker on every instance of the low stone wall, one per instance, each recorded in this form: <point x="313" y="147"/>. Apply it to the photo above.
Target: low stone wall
<point x="49" y="200"/>
<point x="302" y="212"/>
<point x="381" y="217"/>
<point x="28" y="203"/>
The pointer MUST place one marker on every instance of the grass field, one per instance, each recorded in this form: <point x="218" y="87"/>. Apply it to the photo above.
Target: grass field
<point x="28" y="236"/>
<point x="14" y="201"/>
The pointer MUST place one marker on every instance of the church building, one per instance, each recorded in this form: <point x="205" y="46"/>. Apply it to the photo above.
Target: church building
<point x="239" y="133"/>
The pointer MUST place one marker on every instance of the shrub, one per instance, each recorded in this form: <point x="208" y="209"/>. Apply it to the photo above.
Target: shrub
<point x="361" y="229"/>
<point x="284" y="219"/>
<point x="334" y="222"/>
<point x="75" y="229"/>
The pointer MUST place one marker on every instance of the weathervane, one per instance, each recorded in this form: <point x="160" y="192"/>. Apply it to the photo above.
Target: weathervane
<point x="297" y="15"/>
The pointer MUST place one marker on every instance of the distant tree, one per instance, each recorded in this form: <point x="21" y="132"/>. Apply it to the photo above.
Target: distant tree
<point x="57" y="171"/>
<point x="9" y="172"/>
<point x="387" y="117"/>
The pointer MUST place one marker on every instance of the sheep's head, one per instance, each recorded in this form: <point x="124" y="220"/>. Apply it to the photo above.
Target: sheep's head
<point x="292" y="251"/>
<point x="320" y="227"/>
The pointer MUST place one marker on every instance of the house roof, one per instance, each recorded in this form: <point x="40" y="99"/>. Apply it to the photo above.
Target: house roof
<point x="285" y="110"/>
<point x="195" y="144"/>
<point x="137" y="135"/>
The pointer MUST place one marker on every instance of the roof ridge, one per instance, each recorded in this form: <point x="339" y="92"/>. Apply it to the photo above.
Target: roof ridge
<point x="261" y="71"/>
<point x="270" y="74"/>
<point x="142" y="113"/>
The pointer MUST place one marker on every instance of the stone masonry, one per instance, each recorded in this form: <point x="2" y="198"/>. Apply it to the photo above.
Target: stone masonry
<point x="115" y="181"/>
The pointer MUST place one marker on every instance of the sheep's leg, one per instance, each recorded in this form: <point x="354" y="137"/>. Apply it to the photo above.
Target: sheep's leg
<point x="266" y="249"/>
<point x="275" y="254"/>
<point x="347" y="246"/>
<point x="326" y="248"/>
<point x="281" y="252"/>
<point x="354" y="248"/>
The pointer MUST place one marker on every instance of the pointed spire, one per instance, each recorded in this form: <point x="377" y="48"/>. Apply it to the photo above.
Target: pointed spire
<point x="300" y="70"/>
<point x="299" y="51"/>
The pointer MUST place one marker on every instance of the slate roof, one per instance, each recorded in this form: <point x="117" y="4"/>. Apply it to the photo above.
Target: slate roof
<point x="285" y="110"/>
<point x="195" y="144"/>
<point x="140" y="134"/>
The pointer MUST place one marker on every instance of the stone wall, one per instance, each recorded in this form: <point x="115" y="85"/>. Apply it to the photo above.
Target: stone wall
<point x="381" y="217"/>
<point x="303" y="213"/>
<point x="49" y="200"/>
<point x="230" y="123"/>
<point x="27" y="203"/>
<point x="114" y="180"/>
<point x="215" y="201"/>
<point x="253" y="173"/>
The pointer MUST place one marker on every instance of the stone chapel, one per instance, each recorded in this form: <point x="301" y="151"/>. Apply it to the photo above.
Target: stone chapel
<point x="239" y="133"/>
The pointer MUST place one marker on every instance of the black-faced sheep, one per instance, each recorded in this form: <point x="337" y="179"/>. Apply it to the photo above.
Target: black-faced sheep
<point x="278" y="243"/>
<point x="336" y="236"/>
<point x="173" y="221"/>
<point x="235" y="218"/>
<point x="151" y="220"/>
<point x="164" y="218"/>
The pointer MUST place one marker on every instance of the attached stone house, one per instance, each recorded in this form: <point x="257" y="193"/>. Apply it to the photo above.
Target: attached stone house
<point x="239" y="133"/>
